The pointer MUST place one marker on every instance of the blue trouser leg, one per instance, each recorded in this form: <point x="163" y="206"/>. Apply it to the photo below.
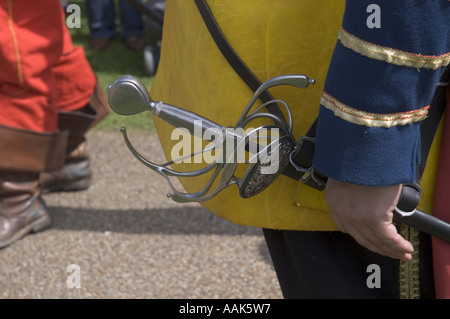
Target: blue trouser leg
<point x="101" y="18"/>
<point x="131" y="20"/>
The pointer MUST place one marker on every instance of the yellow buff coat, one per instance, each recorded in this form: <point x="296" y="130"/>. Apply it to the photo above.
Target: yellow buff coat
<point x="273" y="38"/>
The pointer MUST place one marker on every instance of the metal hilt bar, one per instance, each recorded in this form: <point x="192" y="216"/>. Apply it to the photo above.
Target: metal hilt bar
<point x="407" y="213"/>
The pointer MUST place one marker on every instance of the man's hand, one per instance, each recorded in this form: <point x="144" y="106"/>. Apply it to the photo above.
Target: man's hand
<point x="365" y="213"/>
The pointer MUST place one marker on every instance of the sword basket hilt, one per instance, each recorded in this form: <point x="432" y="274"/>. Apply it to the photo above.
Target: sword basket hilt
<point x="128" y="96"/>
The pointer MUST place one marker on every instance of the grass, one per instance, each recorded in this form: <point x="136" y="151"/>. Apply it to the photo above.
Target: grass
<point x="109" y="64"/>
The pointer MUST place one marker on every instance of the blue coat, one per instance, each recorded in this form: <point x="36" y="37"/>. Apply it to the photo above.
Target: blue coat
<point x="385" y="67"/>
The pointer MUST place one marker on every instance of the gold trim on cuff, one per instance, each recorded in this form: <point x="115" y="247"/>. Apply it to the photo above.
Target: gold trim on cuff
<point x="390" y="55"/>
<point x="359" y="117"/>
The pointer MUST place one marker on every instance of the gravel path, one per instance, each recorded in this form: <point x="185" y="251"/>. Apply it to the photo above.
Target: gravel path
<point x="128" y="240"/>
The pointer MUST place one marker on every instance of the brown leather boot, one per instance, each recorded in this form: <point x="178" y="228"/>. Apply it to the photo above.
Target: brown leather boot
<point x="24" y="155"/>
<point x="22" y="209"/>
<point x="76" y="173"/>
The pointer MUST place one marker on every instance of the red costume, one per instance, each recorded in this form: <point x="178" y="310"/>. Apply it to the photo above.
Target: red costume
<point x="42" y="71"/>
<point x="49" y="98"/>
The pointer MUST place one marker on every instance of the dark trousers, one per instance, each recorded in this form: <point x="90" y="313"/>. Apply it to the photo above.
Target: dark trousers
<point x="333" y="265"/>
<point x="102" y="14"/>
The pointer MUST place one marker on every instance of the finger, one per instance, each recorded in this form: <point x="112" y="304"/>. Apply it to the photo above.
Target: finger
<point x="394" y="246"/>
<point x="380" y="249"/>
<point x="382" y="238"/>
<point x="389" y="235"/>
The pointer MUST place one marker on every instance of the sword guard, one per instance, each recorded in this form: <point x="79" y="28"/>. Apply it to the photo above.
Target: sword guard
<point x="127" y="96"/>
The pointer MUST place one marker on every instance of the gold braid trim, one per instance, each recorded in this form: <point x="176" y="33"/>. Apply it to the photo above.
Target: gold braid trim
<point x="390" y="55"/>
<point x="409" y="279"/>
<point x="368" y="119"/>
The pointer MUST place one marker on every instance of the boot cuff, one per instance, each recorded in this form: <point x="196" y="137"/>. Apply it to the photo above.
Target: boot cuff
<point x="29" y="151"/>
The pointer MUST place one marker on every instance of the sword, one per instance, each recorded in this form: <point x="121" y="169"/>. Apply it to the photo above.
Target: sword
<point x="127" y="96"/>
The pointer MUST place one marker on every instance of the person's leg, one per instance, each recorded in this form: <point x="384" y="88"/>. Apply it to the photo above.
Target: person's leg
<point x="132" y="27"/>
<point x="80" y="104"/>
<point x="131" y="20"/>
<point x="332" y="265"/>
<point x="101" y="19"/>
<point x="30" y="43"/>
